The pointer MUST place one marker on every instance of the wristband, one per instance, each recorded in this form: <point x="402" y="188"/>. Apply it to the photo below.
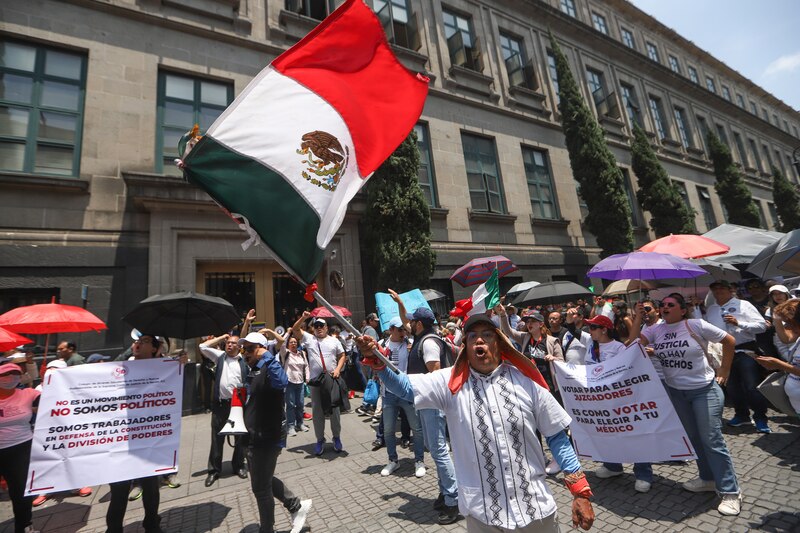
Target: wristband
<point x="578" y="485"/>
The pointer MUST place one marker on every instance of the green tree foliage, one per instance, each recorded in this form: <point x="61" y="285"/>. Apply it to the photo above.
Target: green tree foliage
<point x="397" y="222"/>
<point x="593" y="166"/>
<point x="733" y="192"/>
<point x="657" y="193"/>
<point x="787" y="201"/>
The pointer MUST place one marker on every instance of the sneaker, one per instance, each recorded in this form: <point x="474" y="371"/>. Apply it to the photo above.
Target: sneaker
<point x="730" y="505"/>
<point x="351" y="395"/>
<point x="405" y="443"/>
<point x="700" y="485"/>
<point x="307" y="416"/>
<point x="337" y="444"/>
<point x="390" y="467"/>
<point x="86" y="491"/>
<point x="298" y="517"/>
<point x="291" y="432"/>
<point x="552" y="468"/>
<point x="605" y="473"/>
<point x="29" y="529"/>
<point x="318" y="447"/>
<point x="172" y="481"/>
<point x="737" y="421"/>
<point x="39" y="500"/>
<point x="762" y="426"/>
<point x="360" y="411"/>
<point x="419" y="469"/>
<point x="377" y="444"/>
<point x="642" y="485"/>
<point x="135" y="493"/>
<point x="302" y="427"/>
<point x="448" y="515"/>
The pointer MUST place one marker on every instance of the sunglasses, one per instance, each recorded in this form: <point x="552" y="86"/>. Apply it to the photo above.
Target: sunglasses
<point x="317" y="326"/>
<point x="647" y="308"/>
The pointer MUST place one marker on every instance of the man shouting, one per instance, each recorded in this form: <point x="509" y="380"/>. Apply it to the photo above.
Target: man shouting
<point x="495" y="399"/>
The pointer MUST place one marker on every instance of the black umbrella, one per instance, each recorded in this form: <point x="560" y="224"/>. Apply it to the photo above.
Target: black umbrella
<point x="781" y="258"/>
<point x="183" y="315"/>
<point x="553" y="292"/>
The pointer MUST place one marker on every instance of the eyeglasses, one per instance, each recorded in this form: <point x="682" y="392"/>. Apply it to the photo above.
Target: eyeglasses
<point x="486" y="335"/>
<point x="647" y="309"/>
<point x="668" y="304"/>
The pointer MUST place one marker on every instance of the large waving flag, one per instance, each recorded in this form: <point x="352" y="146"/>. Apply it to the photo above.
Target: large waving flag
<point x="486" y="296"/>
<point x="303" y="137"/>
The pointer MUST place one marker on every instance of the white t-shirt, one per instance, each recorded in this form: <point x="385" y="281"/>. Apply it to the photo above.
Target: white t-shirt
<point x="16" y="412"/>
<point x="682" y="358"/>
<point x="792" y="385"/>
<point x="399" y="353"/>
<point x="653" y="359"/>
<point x="331" y="348"/>
<point x="607" y="349"/>
<point x="430" y="351"/>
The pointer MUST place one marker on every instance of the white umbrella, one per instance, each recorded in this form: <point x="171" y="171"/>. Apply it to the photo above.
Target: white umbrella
<point x="522" y="287"/>
<point x="627" y="286"/>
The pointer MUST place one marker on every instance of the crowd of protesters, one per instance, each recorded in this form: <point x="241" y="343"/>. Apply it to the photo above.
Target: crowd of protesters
<point x="733" y="342"/>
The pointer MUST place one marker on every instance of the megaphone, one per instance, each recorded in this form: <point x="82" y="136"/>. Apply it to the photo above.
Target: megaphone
<point x="235" y="423"/>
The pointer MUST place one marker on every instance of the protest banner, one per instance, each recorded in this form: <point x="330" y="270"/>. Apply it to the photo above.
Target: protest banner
<point x="621" y="412"/>
<point x="106" y="422"/>
<point x="388" y="308"/>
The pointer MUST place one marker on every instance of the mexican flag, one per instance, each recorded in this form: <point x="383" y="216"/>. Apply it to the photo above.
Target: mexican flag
<point x="486" y="296"/>
<point x="304" y="136"/>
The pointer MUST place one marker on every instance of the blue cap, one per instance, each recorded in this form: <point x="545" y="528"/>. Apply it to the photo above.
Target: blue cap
<point x="97" y="357"/>
<point x="396" y="322"/>
<point x="423" y="314"/>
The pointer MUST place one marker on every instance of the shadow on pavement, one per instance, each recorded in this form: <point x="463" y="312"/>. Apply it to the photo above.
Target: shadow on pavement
<point x="415" y="509"/>
<point x="197" y="518"/>
<point x="782" y="445"/>
<point x="778" y="522"/>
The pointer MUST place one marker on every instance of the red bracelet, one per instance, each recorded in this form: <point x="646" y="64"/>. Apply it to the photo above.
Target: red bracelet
<point x="578" y="485"/>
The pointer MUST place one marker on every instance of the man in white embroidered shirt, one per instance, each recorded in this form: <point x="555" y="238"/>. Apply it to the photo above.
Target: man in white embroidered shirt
<point x="495" y="399"/>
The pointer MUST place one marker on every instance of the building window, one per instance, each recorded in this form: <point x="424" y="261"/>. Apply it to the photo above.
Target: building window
<point x="775" y="120"/>
<point x="793" y="167"/>
<point x="551" y="68"/>
<point x="631" y="105"/>
<point x="765" y="151"/>
<point x="773" y="213"/>
<point x="703" y="126"/>
<point x="636" y="210"/>
<point x="461" y="41"/>
<point x="705" y="207"/>
<point x="596" y="85"/>
<point x="756" y="156"/>
<point x="740" y="100"/>
<point x="42" y="92"/>
<point x="710" y="84"/>
<point x="794" y="131"/>
<point x="427" y="178"/>
<point x="674" y="65"/>
<point x="761" y="216"/>
<point x="737" y="138"/>
<point x="693" y="74"/>
<point x="681" y="186"/>
<point x="779" y="159"/>
<point x="764" y="114"/>
<point x="786" y="126"/>
<point x="753" y="108"/>
<point x="726" y="93"/>
<point x="568" y="7"/>
<point x="657" y="114"/>
<point x="520" y="70"/>
<point x="184" y="101"/>
<point x="599" y="22"/>
<point x="722" y="135"/>
<point x="315" y="9"/>
<point x="399" y="22"/>
<point x="627" y="38"/>
<point x="652" y="52"/>
<point x="683" y="130"/>
<point x="540" y="184"/>
<point x="483" y="174"/>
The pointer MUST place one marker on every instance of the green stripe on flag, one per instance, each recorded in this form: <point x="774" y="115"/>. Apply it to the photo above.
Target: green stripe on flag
<point x="286" y="223"/>
<point x="493" y="290"/>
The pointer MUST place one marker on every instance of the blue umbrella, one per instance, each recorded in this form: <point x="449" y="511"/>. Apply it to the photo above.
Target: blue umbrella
<point x="644" y="265"/>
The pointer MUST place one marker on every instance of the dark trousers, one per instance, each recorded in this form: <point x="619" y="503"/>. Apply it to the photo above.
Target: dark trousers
<point x="14" y="469"/>
<point x="261" y="461"/>
<point x="119" y="503"/>
<point x="219" y="416"/>
<point x="745" y="377"/>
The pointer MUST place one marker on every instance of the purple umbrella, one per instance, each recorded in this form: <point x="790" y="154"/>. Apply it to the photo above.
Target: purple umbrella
<point x="478" y="270"/>
<point x="644" y="265"/>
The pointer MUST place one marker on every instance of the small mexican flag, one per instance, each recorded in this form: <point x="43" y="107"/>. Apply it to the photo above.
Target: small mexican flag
<point x="487" y="295"/>
<point x="303" y="137"/>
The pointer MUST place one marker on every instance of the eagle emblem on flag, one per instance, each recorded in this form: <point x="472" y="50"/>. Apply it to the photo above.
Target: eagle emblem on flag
<point x="325" y="157"/>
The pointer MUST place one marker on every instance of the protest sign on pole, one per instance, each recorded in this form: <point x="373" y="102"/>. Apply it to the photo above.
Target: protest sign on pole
<point x="388" y="308"/>
<point x="621" y="412"/>
<point x="106" y="422"/>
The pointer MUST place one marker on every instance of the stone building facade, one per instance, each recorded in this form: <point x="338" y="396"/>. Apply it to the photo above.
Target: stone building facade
<point x="93" y="94"/>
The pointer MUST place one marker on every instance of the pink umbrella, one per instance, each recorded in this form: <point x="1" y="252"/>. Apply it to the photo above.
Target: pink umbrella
<point x="323" y="312"/>
<point x="478" y="270"/>
<point x="10" y="340"/>
<point x="686" y="246"/>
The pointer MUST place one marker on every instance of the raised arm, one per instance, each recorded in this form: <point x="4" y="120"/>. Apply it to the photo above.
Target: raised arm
<point x="297" y="329"/>
<point x="505" y="326"/>
<point x="248" y="320"/>
<point x="402" y="309"/>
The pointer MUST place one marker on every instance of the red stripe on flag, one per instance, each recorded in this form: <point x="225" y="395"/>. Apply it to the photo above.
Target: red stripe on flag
<point x="347" y="61"/>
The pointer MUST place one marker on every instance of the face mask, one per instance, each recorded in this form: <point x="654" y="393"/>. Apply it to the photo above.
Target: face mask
<point x="9" y="382"/>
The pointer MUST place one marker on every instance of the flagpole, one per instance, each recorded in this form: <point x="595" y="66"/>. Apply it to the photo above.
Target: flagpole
<point x="351" y="328"/>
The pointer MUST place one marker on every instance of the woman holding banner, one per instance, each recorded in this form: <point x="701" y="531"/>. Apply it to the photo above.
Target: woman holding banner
<point x="16" y="410"/>
<point x="694" y="388"/>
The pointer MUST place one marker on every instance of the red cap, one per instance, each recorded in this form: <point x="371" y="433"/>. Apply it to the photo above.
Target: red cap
<point x="602" y="321"/>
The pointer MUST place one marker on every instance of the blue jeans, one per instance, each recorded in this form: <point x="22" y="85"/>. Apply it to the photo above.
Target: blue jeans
<point x="294" y="405"/>
<point x="700" y="411"/>
<point x="391" y="405"/>
<point x="433" y="429"/>
<point x="642" y="471"/>
<point x="745" y="377"/>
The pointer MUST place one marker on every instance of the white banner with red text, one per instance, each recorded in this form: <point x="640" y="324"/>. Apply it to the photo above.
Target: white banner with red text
<point x="621" y="412"/>
<point x="106" y="422"/>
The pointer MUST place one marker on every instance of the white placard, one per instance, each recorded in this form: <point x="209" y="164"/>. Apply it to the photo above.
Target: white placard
<point x="105" y="422"/>
<point x="621" y="412"/>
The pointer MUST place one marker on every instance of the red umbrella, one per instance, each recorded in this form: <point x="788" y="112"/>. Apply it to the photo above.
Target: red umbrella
<point x="686" y="246"/>
<point x="478" y="270"/>
<point x="323" y="312"/>
<point x="10" y="340"/>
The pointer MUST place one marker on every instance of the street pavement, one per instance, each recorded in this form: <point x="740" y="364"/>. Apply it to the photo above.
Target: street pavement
<point x="350" y="495"/>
